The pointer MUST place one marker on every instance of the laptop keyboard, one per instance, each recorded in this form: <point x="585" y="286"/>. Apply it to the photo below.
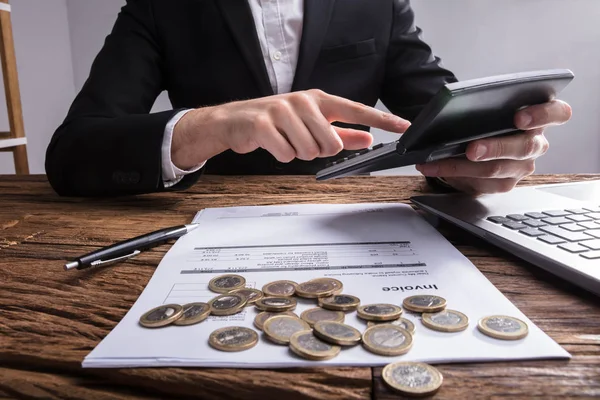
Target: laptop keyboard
<point x="576" y="231"/>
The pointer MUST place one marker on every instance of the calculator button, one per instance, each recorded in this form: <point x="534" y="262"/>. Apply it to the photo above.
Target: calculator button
<point x="577" y="210"/>
<point x="556" y="213"/>
<point x="573" y="247"/>
<point x="351" y="156"/>
<point x="589" y="225"/>
<point x="573" y="227"/>
<point x="365" y="151"/>
<point x="534" y="223"/>
<point x="565" y="234"/>
<point x="329" y="164"/>
<point x="593" y="215"/>
<point x="517" y="217"/>
<point x="378" y="146"/>
<point x="557" y="220"/>
<point x="551" y="239"/>
<point x="592" y="209"/>
<point x="592" y="255"/>
<point x="578" y="218"/>
<point x="593" y="233"/>
<point x="498" y="220"/>
<point x="592" y="244"/>
<point x="514" y="225"/>
<point x="536" y="215"/>
<point x="532" y="232"/>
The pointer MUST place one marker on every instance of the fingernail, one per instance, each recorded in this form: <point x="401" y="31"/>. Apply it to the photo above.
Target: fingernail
<point x="524" y="120"/>
<point x="429" y="169"/>
<point x="480" y="152"/>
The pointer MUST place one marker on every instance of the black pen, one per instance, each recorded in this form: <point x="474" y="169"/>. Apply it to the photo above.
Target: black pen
<point x="129" y="248"/>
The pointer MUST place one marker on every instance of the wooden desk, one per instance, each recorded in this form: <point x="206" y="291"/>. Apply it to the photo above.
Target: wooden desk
<point x="50" y="319"/>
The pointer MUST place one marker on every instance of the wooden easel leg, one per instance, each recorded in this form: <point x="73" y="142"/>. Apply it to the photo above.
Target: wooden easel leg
<point x="21" y="164"/>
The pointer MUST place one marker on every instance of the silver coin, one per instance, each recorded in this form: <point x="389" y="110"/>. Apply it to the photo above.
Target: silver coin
<point x="338" y="330"/>
<point x="341" y="299"/>
<point x="234" y="336"/>
<point x="280" y="328"/>
<point x="414" y="377"/>
<point x="160" y="314"/>
<point x="504" y="325"/>
<point x="380" y="309"/>
<point x="311" y="343"/>
<point x="426" y="301"/>
<point x="276" y="301"/>
<point x="227" y="301"/>
<point x="401" y="322"/>
<point x="387" y="338"/>
<point x="446" y="318"/>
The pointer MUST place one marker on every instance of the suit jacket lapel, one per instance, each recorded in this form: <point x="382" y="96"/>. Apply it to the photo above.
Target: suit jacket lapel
<point x="238" y="16"/>
<point x="316" y="21"/>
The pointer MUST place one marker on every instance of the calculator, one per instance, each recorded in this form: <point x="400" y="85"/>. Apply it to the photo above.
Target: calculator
<point x="458" y="114"/>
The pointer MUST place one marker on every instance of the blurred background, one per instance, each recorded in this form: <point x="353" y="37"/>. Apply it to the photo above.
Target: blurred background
<point x="57" y="40"/>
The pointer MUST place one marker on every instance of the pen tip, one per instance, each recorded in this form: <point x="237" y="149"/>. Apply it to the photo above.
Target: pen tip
<point x="71" y="265"/>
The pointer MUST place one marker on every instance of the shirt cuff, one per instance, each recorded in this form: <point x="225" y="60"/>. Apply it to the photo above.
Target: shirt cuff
<point x="171" y="175"/>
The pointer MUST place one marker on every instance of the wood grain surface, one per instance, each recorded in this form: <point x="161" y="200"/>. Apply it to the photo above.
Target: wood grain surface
<point x="51" y="319"/>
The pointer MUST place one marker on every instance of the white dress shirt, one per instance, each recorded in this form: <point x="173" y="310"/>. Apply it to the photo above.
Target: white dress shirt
<point x="279" y="27"/>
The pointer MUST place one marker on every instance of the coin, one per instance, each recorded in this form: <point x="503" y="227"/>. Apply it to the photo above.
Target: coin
<point x="262" y="317"/>
<point x="446" y="321"/>
<point x="193" y="313"/>
<point x="412" y="378"/>
<point x="379" y="312"/>
<point x="401" y="322"/>
<point x="424" y="303"/>
<point x="280" y="328"/>
<point x="276" y="304"/>
<point x="314" y="289"/>
<point x="337" y="333"/>
<point x="306" y="345"/>
<point x="226" y="283"/>
<point x="233" y="338"/>
<point x="340" y="302"/>
<point x="503" y="327"/>
<point x="280" y="288"/>
<point x="338" y="285"/>
<point x="251" y="294"/>
<point x="314" y="315"/>
<point x="227" y="304"/>
<point x="161" y="316"/>
<point x="387" y="340"/>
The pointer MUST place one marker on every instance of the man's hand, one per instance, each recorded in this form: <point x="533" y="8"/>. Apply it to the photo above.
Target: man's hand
<point x="495" y="165"/>
<point x="292" y="125"/>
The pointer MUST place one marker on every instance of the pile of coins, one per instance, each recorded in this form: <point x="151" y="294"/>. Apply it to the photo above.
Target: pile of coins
<point x="320" y="333"/>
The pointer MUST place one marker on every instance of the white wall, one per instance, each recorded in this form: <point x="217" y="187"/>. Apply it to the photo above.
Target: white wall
<point x="474" y="38"/>
<point x="43" y="51"/>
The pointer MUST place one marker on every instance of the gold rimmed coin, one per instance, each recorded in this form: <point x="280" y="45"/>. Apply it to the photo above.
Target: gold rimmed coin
<point x="387" y="340"/>
<point x="276" y="304"/>
<point x="446" y="321"/>
<point x="252" y="295"/>
<point x="401" y="322"/>
<point x="161" y="316"/>
<point x="280" y="288"/>
<point x="261" y="318"/>
<point x="280" y="328"/>
<point x="503" y="327"/>
<point x="226" y="283"/>
<point x="233" y="338"/>
<point x="193" y="313"/>
<point x="337" y="333"/>
<point x="412" y="378"/>
<point x="337" y="284"/>
<point x="227" y="304"/>
<point x="306" y="345"/>
<point x="379" y="312"/>
<point x="424" y="303"/>
<point x="314" y="315"/>
<point x="340" y="302"/>
<point x="315" y="289"/>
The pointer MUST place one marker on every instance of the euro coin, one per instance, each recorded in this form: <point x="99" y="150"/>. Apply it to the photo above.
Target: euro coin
<point x="401" y="322"/>
<point x="252" y="295"/>
<point x="226" y="283"/>
<point x="193" y="313"/>
<point x="276" y="304"/>
<point x="424" y="303"/>
<point x="233" y="338"/>
<point x="161" y="316"/>
<point x="280" y="328"/>
<point x="337" y="333"/>
<point x="446" y="321"/>
<point x="314" y="315"/>
<point x="306" y="345"/>
<point x="227" y="304"/>
<point x="338" y="285"/>
<point x="387" y="340"/>
<point x="340" y="302"/>
<point x="379" y="312"/>
<point x="412" y="378"/>
<point x="280" y="288"/>
<point x="503" y="327"/>
<point x="315" y="289"/>
<point x="261" y="318"/>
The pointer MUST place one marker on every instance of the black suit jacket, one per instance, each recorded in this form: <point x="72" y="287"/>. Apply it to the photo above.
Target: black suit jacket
<point x="206" y="52"/>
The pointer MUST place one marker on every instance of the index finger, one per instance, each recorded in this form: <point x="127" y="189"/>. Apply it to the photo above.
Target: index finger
<point x="336" y="108"/>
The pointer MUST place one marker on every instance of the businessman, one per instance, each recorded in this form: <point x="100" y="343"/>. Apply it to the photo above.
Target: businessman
<point x="263" y="87"/>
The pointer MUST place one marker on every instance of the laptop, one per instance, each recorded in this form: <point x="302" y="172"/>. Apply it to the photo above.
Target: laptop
<point x="555" y="227"/>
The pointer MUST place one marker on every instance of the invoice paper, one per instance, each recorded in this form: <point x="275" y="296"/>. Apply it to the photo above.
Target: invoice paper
<point x="381" y="252"/>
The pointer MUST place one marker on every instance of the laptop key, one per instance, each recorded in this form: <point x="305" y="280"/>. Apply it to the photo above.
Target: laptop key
<point x="592" y="209"/>
<point x="498" y="220"/>
<point x="593" y="215"/>
<point x="592" y="255"/>
<point x="557" y="220"/>
<point x="551" y="239"/>
<point x="593" y="233"/>
<point x="589" y="225"/>
<point x="592" y="244"/>
<point x="573" y="247"/>
<point x="565" y="234"/>
<point x="532" y="232"/>
<point x="578" y="218"/>
<point x="534" y="223"/>
<point x="556" y="213"/>
<point x="573" y="227"/>
<point x="536" y="215"/>
<point x="514" y="225"/>
<point x="577" y="210"/>
<point x="517" y="217"/>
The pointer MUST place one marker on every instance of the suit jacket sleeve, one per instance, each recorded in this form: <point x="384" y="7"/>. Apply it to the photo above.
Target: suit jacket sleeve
<point x="413" y="74"/>
<point x="109" y="144"/>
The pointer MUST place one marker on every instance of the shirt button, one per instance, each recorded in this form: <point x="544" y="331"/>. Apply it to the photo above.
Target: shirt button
<point x="277" y="56"/>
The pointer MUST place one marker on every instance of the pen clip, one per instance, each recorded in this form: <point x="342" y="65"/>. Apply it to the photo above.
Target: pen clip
<point x="114" y="260"/>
